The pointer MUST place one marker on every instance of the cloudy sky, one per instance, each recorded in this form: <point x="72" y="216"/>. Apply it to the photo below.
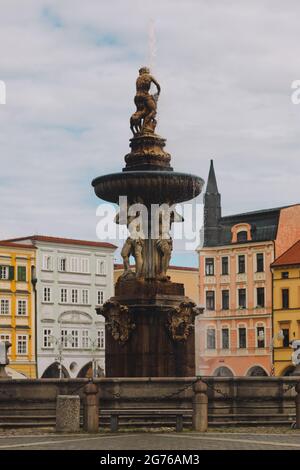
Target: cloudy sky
<point x="225" y="67"/>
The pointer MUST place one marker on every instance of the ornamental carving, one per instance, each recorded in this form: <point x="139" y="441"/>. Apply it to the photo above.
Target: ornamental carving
<point x="118" y="320"/>
<point x="181" y="320"/>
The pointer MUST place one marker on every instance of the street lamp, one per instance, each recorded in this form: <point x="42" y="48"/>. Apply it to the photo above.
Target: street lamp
<point x="60" y="342"/>
<point x="93" y="348"/>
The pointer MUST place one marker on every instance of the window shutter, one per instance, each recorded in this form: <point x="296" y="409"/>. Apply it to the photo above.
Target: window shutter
<point x="11" y="274"/>
<point x="21" y="273"/>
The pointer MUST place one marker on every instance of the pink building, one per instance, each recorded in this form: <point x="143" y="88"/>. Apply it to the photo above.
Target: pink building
<point x="234" y="335"/>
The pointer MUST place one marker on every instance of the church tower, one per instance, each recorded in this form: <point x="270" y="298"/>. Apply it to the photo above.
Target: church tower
<point x="212" y="209"/>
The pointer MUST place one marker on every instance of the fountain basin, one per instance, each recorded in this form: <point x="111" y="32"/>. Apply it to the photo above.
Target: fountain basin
<point x="152" y="186"/>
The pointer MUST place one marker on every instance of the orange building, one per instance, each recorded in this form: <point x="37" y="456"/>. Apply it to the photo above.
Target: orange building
<point x="234" y="335"/>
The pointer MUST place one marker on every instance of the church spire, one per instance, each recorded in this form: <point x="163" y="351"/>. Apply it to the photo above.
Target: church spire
<point x="212" y="187"/>
<point x="212" y="209"/>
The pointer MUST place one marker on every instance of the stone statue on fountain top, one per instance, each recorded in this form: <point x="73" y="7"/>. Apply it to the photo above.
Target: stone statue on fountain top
<point x="143" y="120"/>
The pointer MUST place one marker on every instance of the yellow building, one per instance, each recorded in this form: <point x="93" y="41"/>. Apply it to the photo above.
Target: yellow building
<point x="17" y="307"/>
<point x="182" y="274"/>
<point x="286" y="307"/>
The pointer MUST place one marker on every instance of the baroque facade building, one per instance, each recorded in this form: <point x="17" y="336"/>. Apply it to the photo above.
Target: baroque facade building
<point x="234" y="336"/>
<point x="17" y="312"/>
<point x="73" y="277"/>
<point x="286" y="307"/>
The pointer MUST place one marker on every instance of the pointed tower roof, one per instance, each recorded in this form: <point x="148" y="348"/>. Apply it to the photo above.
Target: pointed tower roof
<point x="211" y="186"/>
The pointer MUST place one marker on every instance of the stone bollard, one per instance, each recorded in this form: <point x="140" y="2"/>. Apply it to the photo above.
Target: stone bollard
<point x="91" y="408"/>
<point x="67" y="413"/>
<point x="200" y="407"/>
<point x="297" y="405"/>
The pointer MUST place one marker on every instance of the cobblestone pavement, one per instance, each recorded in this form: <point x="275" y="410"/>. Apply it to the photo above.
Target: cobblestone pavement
<point x="153" y="441"/>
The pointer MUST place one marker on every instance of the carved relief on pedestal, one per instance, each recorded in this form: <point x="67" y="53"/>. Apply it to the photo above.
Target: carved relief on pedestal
<point x="118" y="319"/>
<point x="181" y="320"/>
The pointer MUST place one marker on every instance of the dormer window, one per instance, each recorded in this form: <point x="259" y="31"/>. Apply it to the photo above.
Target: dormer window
<point x="241" y="233"/>
<point x="242" y="236"/>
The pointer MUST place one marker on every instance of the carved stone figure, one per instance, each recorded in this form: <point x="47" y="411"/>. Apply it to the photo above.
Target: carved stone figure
<point x="133" y="246"/>
<point x="181" y="320"/>
<point x="143" y="120"/>
<point x="118" y="320"/>
<point x="165" y="243"/>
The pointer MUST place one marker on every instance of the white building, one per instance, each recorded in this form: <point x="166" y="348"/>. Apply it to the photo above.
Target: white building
<point x="73" y="278"/>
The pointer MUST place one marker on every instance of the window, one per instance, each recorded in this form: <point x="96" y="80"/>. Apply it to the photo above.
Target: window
<point x="70" y="339"/>
<point x="22" y="307"/>
<point x="211" y="338"/>
<point x="210" y="300"/>
<point x="225" y="338"/>
<point x="225" y="265"/>
<point x="100" y="297"/>
<point x="260" y="334"/>
<point x="4" y="272"/>
<point x="47" y="262"/>
<point x="242" y="298"/>
<point x="85" y="296"/>
<point x="242" y="338"/>
<point x="64" y="295"/>
<point x="242" y="236"/>
<point x="7" y="272"/>
<point x="47" y="338"/>
<point x="225" y="299"/>
<point x="74" y="265"/>
<point x="64" y="338"/>
<point x="47" y="294"/>
<point x="75" y="339"/>
<point x="4" y="307"/>
<point x="260" y="295"/>
<point x="285" y="275"/>
<point x="74" y="296"/>
<point x="21" y="273"/>
<point x="260" y="262"/>
<point x="85" y="339"/>
<point x="62" y="264"/>
<point x="286" y="338"/>
<point x="285" y="298"/>
<point x="100" y="339"/>
<point x="5" y="337"/>
<point x="241" y="264"/>
<point x="22" y="344"/>
<point x="209" y="267"/>
<point x="100" y="266"/>
<point x="85" y="265"/>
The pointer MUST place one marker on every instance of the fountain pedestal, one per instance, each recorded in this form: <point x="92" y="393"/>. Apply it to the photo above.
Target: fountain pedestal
<point x="156" y="337"/>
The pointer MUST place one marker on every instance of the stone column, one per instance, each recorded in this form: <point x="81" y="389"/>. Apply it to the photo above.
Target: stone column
<point x="91" y="408"/>
<point x="297" y="405"/>
<point x="68" y="413"/>
<point x="200" y="407"/>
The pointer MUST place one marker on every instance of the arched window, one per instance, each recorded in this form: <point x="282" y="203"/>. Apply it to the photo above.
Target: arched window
<point x="288" y="371"/>
<point x="52" y="372"/>
<point x="222" y="372"/>
<point x="257" y="371"/>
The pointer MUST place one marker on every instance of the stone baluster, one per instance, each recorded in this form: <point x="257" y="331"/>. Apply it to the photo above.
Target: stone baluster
<point x="200" y="407"/>
<point x="91" y="408"/>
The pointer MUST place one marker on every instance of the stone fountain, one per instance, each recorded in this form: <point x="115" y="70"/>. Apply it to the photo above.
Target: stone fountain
<point x="149" y="323"/>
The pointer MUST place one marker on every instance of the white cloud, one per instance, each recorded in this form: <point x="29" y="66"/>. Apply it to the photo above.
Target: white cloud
<point x="70" y="66"/>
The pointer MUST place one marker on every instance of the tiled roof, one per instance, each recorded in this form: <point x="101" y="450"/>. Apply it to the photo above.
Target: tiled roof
<point x="264" y="224"/>
<point x="289" y="257"/>
<point x="16" y="245"/>
<point x="66" y="241"/>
